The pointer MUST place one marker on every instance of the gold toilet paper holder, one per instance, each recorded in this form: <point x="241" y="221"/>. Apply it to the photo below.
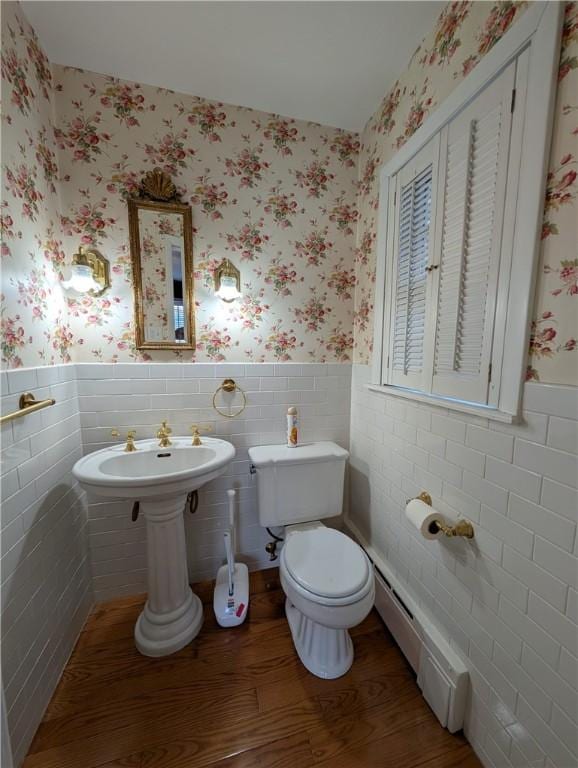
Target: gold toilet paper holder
<point x="463" y="527"/>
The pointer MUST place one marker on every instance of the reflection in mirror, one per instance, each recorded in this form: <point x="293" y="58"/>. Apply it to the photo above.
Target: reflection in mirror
<point x="162" y="269"/>
<point x="161" y="250"/>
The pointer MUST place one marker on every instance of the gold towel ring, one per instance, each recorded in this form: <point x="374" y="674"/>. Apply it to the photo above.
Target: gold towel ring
<point x="229" y="385"/>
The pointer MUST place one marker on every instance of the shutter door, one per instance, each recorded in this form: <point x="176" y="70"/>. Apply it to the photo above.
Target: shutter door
<point x="416" y="183"/>
<point x="473" y="175"/>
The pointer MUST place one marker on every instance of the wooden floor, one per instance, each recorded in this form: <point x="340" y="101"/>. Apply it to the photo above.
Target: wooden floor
<point x="237" y="698"/>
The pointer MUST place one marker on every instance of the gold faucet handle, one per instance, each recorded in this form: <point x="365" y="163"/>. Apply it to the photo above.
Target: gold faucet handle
<point x="166" y="428"/>
<point x="131" y="434"/>
<point x="200" y="428"/>
<point x="196" y="430"/>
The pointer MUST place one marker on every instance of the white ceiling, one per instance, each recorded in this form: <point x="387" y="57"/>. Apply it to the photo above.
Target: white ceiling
<point x="329" y="62"/>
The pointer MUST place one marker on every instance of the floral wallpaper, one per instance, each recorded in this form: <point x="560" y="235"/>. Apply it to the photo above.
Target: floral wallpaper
<point x="464" y="33"/>
<point x="292" y="204"/>
<point x="33" y="315"/>
<point x="275" y="195"/>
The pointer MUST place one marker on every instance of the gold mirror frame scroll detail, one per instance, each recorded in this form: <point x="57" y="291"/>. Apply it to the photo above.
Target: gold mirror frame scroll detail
<point x="158" y="193"/>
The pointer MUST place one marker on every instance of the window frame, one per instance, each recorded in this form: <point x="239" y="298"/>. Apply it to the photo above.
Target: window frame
<point x="534" y="42"/>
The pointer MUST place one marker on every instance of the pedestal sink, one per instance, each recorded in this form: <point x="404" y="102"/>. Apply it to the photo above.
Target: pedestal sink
<point x="160" y="479"/>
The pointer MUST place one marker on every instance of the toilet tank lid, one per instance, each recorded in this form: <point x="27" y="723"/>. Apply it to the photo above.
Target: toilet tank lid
<point x="307" y="453"/>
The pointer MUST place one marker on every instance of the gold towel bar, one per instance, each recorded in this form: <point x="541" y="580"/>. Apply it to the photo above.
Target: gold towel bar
<point x="27" y="404"/>
<point x="229" y="385"/>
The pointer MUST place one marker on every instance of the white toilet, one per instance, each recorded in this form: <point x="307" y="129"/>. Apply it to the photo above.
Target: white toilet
<point x="327" y="577"/>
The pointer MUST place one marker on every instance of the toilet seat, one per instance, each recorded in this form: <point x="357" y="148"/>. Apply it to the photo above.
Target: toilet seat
<point x="326" y="566"/>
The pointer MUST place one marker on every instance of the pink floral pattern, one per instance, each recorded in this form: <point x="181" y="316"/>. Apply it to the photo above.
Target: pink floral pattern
<point x="249" y="240"/>
<point x="251" y="310"/>
<point x="33" y="315"/>
<point x="248" y="166"/>
<point x="345" y="146"/>
<point x="46" y="159"/>
<point x="560" y="190"/>
<point x="281" y="343"/>
<point x="283" y="133"/>
<point x="125" y="99"/>
<point x="314" y="313"/>
<point x="210" y="197"/>
<point x="342" y="280"/>
<point x="316" y="247"/>
<point x="315" y="178"/>
<point x="82" y="137"/>
<point x="293" y="204"/>
<point x="343" y="214"/>
<point x="280" y="276"/>
<point x="446" y="41"/>
<point x="89" y="222"/>
<point x="567" y="274"/>
<point x="385" y="121"/>
<point x="208" y="117"/>
<point x="420" y="107"/>
<point x="15" y="73"/>
<point x="169" y="152"/>
<point x="21" y="182"/>
<point x="283" y="207"/>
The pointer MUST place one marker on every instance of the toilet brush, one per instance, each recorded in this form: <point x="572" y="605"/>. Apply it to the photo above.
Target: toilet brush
<point x="231" y="596"/>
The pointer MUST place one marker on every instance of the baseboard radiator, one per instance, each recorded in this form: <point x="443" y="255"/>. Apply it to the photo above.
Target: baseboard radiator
<point x="441" y="674"/>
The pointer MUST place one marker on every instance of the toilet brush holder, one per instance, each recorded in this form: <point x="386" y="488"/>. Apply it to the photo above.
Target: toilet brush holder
<point x="231" y="595"/>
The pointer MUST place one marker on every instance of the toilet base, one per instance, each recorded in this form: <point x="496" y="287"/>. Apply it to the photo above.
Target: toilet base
<point x="325" y="652"/>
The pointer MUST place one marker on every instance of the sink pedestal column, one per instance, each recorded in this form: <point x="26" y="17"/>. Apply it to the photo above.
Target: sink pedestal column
<point x="173" y="614"/>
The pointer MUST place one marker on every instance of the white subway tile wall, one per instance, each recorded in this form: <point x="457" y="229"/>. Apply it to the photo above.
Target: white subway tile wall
<point x="507" y="600"/>
<point x="140" y="396"/>
<point x="45" y="573"/>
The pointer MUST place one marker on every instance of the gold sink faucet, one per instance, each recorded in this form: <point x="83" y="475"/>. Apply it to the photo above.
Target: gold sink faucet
<point x="130" y="446"/>
<point x="163" y="435"/>
<point x="196" y="433"/>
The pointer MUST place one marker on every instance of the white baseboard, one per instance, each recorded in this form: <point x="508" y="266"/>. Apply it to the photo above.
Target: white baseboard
<point x="442" y="675"/>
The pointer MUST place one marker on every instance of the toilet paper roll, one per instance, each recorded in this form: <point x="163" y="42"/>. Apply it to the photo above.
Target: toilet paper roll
<point x="421" y="515"/>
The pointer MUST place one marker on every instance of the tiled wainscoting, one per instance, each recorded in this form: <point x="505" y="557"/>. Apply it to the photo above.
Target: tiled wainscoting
<point x="503" y="599"/>
<point x="46" y="584"/>
<point x="141" y="396"/>
<point x="52" y="535"/>
<point x="507" y="600"/>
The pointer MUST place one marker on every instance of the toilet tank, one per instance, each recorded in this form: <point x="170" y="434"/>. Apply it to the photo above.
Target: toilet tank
<point x="296" y="485"/>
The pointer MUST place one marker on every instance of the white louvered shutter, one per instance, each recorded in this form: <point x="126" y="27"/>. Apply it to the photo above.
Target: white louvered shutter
<point x="414" y="235"/>
<point x="473" y="174"/>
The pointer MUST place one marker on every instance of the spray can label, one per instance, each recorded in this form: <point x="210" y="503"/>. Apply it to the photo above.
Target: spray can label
<point x="292" y="431"/>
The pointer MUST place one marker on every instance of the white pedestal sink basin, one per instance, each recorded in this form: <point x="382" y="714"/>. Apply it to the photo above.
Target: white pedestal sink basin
<point x="160" y="479"/>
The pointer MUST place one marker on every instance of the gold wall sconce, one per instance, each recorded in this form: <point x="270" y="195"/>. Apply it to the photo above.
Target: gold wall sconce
<point x="90" y="273"/>
<point x="227" y="281"/>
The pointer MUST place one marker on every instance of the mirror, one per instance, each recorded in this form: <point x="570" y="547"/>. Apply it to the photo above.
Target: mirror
<point x="162" y="259"/>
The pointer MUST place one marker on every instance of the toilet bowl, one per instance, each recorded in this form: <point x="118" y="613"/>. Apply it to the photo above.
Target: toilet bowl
<point x="327" y="578"/>
<point x="328" y="582"/>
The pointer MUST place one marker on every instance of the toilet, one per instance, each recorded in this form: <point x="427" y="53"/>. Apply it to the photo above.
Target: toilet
<point x="327" y="578"/>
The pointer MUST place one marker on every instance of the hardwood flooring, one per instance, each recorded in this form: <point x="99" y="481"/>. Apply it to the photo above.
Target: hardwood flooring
<point x="237" y="698"/>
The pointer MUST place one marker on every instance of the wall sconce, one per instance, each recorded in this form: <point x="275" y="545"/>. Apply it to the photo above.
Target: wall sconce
<point x="90" y="273"/>
<point x="227" y="281"/>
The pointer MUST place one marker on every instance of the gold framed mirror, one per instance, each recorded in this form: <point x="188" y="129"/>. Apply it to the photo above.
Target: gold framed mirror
<point x="161" y="247"/>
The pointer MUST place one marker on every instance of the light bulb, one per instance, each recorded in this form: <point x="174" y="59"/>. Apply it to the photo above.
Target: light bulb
<point x="228" y="288"/>
<point x="81" y="279"/>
